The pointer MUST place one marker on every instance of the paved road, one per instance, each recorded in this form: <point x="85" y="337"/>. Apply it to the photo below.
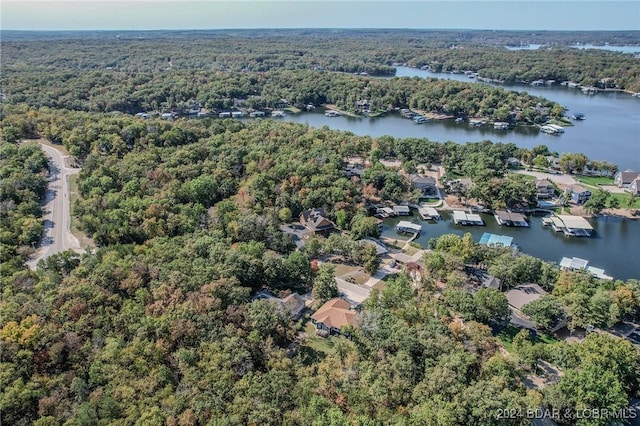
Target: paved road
<point x="57" y="236"/>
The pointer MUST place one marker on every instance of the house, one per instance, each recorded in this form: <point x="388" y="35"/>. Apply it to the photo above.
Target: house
<point x="579" y="194"/>
<point x="335" y="315"/>
<point x="544" y="189"/>
<point x="381" y="249"/>
<point x="460" y="185"/>
<point x="524" y="294"/>
<point x="293" y="305"/>
<point x="634" y="187"/>
<point x="624" y="179"/>
<point x="315" y="220"/>
<point x="426" y="184"/>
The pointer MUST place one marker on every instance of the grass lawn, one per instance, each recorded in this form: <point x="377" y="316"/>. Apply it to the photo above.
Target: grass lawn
<point x="506" y="335"/>
<point x="342" y="269"/>
<point x="317" y="343"/>
<point x="623" y="200"/>
<point x="595" y="180"/>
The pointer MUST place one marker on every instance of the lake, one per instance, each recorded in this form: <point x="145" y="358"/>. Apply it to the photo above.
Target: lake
<point x="613" y="245"/>
<point x="609" y="132"/>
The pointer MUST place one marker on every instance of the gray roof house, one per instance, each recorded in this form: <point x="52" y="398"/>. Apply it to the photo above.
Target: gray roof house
<point x="624" y="179"/>
<point x="634" y="187"/>
<point x="426" y="184"/>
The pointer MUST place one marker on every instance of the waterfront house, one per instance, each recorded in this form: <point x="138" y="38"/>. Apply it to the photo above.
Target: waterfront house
<point x="544" y="189"/>
<point x="634" y="187"/>
<point x="524" y="294"/>
<point x="426" y="184"/>
<point x="579" y="194"/>
<point x="520" y="296"/>
<point x="624" y="179"/>
<point x="335" y="315"/>
<point x="381" y="249"/>
<point x="315" y="220"/>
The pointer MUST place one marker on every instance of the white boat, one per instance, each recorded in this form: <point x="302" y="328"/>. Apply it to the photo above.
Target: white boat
<point x="331" y="113"/>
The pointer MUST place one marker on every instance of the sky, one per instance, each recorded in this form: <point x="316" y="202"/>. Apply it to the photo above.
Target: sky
<point x="228" y="14"/>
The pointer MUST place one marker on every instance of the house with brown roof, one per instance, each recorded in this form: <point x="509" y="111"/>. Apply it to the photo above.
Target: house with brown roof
<point x="315" y="220"/>
<point x="334" y="315"/>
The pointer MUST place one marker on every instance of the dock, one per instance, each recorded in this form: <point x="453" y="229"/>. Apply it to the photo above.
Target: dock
<point x="496" y="240"/>
<point x="508" y="218"/>
<point x="428" y="213"/>
<point x="401" y="210"/>
<point x="408" y="227"/>
<point x="463" y="218"/>
<point x="578" y="264"/>
<point x="573" y="226"/>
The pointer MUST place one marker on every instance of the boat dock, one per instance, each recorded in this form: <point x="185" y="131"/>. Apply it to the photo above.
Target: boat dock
<point x="496" y="240"/>
<point x="578" y="264"/>
<point x="463" y="218"/>
<point x="428" y="213"/>
<point x="508" y="218"/>
<point x="408" y="227"/>
<point x="574" y="226"/>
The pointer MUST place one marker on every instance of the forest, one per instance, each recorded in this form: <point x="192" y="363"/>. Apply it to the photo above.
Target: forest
<point x="158" y="323"/>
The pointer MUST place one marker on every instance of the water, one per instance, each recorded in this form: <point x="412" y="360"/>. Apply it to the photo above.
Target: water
<point x="609" y="132"/>
<point x="622" y="49"/>
<point x="613" y="245"/>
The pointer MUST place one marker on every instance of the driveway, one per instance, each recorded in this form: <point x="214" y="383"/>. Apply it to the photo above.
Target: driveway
<point x="561" y="179"/>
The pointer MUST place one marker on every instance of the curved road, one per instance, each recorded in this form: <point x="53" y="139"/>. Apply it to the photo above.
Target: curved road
<point x="57" y="236"/>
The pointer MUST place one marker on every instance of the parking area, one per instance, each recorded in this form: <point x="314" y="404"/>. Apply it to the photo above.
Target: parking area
<point x="298" y="232"/>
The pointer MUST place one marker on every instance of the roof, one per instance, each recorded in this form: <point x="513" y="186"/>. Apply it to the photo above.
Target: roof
<point x="578" y="189"/>
<point x="575" y="222"/>
<point x="459" y="215"/>
<point x="379" y="246"/>
<point x="573" y="263"/>
<point x="509" y="216"/>
<point x="523" y="294"/>
<point x="315" y="220"/>
<point x="493" y="239"/>
<point x="543" y="182"/>
<point x="628" y="175"/>
<point x="404" y="209"/>
<point x="336" y="313"/>
<point x="408" y="225"/>
<point x="422" y="180"/>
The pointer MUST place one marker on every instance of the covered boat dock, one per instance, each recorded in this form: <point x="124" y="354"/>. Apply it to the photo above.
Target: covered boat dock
<point x="409" y="227"/>
<point x="463" y="218"/>
<point x="508" y="218"/>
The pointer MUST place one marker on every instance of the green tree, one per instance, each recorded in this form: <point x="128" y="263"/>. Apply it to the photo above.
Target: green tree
<point x="491" y="305"/>
<point x="544" y="312"/>
<point x="324" y="285"/>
